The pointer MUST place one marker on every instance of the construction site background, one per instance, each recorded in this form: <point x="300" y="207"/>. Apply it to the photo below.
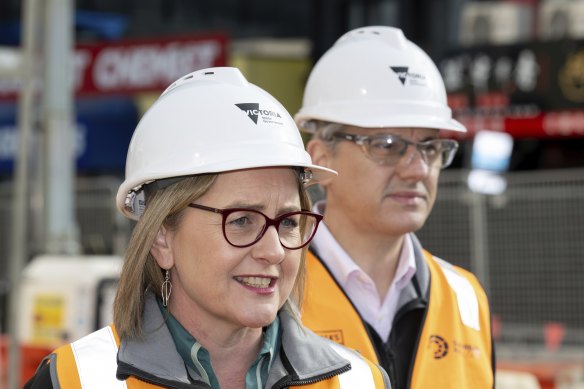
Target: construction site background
<point x="525" y="245"/>
<point x="532" y="269"/>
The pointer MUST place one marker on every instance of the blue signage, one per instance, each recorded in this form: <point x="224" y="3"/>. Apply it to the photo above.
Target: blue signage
<point x="104" y="127"/>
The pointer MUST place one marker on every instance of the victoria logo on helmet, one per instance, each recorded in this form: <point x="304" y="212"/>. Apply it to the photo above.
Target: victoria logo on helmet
<point x="403" y="74"/>
<point x="253" y="111"/>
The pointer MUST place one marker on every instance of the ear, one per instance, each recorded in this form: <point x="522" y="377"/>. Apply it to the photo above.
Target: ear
<point x="161" y="248"/>
<point x="321" y="155"/>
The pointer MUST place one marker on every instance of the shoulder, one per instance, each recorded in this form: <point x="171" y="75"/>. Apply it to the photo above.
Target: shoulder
<point x="66" y="358"/>
<point x="362" y="370"/>
<point x="363" y="373"/>
<point x="457" y="275"/>
<point x="308" y="353"/>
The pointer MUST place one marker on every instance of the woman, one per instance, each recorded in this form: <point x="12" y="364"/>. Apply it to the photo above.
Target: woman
<point x="215" y="178"/>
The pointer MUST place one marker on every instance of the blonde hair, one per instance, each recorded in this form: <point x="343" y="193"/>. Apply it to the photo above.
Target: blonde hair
<point x="141" y="272"/>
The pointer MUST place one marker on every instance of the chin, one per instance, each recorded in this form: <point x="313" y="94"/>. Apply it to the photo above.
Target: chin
<point x="413" y="222"/>
<point x="402" y="227"/>
<point x="418" y="222"/>
<point x="258" y="319"/>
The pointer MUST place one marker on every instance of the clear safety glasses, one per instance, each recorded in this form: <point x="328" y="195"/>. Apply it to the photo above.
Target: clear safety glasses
<point x="244" y="227"/>
<point x="389" y="149"/>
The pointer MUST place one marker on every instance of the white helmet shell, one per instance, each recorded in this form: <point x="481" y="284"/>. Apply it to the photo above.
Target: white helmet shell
<point x="374" y="77"/>
<point x="210" y="121"/>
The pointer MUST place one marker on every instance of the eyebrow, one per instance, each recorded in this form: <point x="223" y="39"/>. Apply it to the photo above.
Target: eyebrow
<point x="262" y="208"/>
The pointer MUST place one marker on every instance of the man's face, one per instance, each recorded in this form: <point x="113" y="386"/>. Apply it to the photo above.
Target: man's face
<point x="386" y="200"/>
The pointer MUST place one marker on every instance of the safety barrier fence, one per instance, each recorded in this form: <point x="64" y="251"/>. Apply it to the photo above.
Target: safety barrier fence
<point x="526" y="246"/>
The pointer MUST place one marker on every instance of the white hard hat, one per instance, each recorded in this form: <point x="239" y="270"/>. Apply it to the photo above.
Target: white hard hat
<point x="374" y="77"/>
<point x="210" y="121"/>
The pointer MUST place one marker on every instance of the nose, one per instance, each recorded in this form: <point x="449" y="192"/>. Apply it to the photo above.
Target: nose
<point x="413" y="164"/>
<point x="269" y="248"/>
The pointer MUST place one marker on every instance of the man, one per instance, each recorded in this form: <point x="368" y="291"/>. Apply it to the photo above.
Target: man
<point x="376" y="106"/>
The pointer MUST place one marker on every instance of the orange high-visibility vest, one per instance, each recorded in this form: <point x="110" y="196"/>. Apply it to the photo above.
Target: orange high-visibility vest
<point x="454" y="347"/>
<point x="93" y="361"/>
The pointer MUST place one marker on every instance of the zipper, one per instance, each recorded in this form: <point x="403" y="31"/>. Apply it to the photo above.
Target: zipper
<point x="392" y="371"/>
<point x="422" y="302"/>
<point x="285" y="382"/>
<point x="418" y="303"/>
<point x="127" y="371"/>
<point x="292" y="378"/>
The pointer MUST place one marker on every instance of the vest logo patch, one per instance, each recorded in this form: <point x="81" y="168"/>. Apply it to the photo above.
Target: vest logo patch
<point x="439" y="345"/>
<point x="334" y="335"/>
<point x="440" y="348"/>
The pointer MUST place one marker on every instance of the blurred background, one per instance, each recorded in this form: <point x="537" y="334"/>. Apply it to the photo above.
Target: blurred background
<point x="75" y="76"/>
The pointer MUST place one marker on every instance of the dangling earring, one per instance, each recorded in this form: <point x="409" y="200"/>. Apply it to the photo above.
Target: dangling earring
<point x="166" y="289"/>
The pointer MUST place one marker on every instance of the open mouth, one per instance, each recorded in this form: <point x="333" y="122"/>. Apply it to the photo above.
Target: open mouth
<point x="256" y="282"/>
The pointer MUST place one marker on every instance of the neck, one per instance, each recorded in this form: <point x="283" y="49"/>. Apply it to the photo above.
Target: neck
<point x="232" y="350"/>
<point x="377" y="254"/>
<point x="231" y="362"/>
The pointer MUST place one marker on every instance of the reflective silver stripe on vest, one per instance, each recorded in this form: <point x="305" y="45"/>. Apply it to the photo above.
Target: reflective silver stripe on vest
<point x="96" y="358"/>
<point x="360" y="375"/>
<point x="468" y="304"/>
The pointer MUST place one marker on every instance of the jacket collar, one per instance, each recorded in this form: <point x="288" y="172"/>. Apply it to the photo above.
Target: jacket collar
<point x="419" y="287"/>
<point x="153" y="357"/>
<point x="304" y="355"/>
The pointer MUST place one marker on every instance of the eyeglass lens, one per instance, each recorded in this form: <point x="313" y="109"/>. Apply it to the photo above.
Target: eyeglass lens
<point x="393" y="148"/>
<point x="389" y="149"/>
<point x="245" y="227"/>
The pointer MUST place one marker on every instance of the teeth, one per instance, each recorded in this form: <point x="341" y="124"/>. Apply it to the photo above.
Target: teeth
<point x="256" y="282"/>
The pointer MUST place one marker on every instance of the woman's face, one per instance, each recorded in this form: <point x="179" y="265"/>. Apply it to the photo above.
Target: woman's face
<point x="216" y="283"/>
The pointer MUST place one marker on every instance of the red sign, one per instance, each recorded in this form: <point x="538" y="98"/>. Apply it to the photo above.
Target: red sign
<point x="556" y="124"/>
<point x="139" y="66"/>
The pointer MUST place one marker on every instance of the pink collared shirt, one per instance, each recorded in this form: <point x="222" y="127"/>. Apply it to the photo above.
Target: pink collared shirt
<point x="376" y="310"/>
